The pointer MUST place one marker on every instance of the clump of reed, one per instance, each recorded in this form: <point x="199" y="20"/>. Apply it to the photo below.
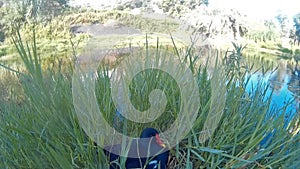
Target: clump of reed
<point x="44" y="131"/>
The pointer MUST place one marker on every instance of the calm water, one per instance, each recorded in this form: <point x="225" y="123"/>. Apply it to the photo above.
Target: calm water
<point x="282" y="82"/>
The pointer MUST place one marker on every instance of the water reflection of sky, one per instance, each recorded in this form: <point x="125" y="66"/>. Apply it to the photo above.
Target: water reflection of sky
<point x="281" y="96"/>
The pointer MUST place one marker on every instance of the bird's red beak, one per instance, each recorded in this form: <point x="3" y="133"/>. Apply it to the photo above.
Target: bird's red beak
<point x="158" y="141"/>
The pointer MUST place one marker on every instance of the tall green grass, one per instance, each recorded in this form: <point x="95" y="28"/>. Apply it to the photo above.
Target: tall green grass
<point x="43" y="130"/>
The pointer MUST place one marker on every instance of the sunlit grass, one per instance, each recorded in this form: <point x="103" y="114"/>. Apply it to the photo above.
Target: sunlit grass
<point x="43" y="130"/>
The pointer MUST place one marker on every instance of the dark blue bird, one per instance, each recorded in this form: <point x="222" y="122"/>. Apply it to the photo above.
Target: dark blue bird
<point x="139" y="151"/>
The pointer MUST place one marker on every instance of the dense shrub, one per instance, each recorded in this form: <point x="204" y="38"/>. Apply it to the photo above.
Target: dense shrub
<point x="15" y="13"/>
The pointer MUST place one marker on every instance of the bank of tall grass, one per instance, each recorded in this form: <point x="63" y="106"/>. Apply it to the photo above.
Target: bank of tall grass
<point x="43" y="131"/>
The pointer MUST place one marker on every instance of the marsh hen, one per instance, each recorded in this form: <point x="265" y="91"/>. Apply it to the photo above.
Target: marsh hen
<point x="139" y="151"/>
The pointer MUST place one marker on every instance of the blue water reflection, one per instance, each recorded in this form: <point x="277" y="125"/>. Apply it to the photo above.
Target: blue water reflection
<point x="283" y="86"/>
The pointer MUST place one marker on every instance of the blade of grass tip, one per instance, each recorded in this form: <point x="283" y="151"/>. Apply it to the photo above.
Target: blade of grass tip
<point x="147" y="46"/>
<point x="24" y="52"/>
<point x="157" y="45"/>
<point x="191" y="60"/>
<point x="19" y="44"/>
<point x="29" y="56"/>
<point x="20" y="48"/>
<point x="12" y="70"/>
<point x="174" y="45"/>
<point x="74" y="54"/>
<point x="158" y="53"/>
<point x="35" y="55"/>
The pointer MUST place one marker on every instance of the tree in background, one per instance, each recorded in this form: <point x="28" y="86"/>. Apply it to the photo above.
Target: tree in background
<point x="272" y="33"/>
<point x="178" y="7"/>
<point x="283" y="22"/>
<point x="51" y="8"/>
<point x="296" y="36"/>
<point x="20" y="12"/>
<point x="215" y="23"/>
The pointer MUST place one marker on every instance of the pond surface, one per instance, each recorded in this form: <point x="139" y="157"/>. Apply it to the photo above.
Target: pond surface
<point x="282" y="82"/>
<point x="280" y="78"/>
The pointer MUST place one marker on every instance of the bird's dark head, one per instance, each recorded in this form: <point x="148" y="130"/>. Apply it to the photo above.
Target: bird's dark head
<point x="151" y="132"/>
